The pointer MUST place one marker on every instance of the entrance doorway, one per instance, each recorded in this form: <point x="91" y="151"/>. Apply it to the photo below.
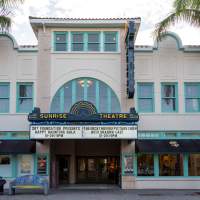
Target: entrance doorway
<point x="63" y="169"/>
<point x="98" y="170"/>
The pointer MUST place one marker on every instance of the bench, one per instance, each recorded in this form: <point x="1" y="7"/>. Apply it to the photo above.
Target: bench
<point x="29" y="182"/>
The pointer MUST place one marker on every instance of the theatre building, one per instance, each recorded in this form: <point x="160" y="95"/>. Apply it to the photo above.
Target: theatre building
<point x="88" y="106"/>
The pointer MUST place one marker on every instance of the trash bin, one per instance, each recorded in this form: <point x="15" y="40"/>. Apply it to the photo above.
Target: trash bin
<point x="2" y="183"/>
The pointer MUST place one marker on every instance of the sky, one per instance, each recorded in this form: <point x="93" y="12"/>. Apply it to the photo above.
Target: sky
<point x="150" y="11"/>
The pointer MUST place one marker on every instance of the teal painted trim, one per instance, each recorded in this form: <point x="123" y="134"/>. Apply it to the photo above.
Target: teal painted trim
<point x="13" y="136"/>
<point x="186" y="84"/>
<point x="97" y="95"/>
<point x="6" y="97"/>
<point x="69" y="42"/>
<point x="14" y="165"/>
<point x="135" y="165"/>
<point x="117" y="41"/>
<point x="53" y="41"/>
<point x="156" y="165"/>
<point x="109" y="105"/>
<point x="152" y="97"/>
<point x="176" y="96"/>
<point x="62" y="99"/>
<point x="18" y="97"/>
<point x="35" y="164"/>
<point x="185" y="164"/>
<point x="101" y="41"/>
<point x="85" y="90"/>
<point x="73" y="91"/>
<point x="85" y="41"/>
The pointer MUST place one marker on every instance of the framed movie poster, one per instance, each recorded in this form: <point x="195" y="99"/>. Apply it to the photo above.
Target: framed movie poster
<point x="128" y="167"/>
<point x="42" y="164"/>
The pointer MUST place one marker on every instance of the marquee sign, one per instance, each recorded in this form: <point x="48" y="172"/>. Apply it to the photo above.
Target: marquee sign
<point x="83" y="122"/>
<point x="83" y="132"/>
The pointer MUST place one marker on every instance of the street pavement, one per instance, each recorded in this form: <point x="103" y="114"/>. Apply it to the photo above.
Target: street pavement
<point x="108" y="194"/>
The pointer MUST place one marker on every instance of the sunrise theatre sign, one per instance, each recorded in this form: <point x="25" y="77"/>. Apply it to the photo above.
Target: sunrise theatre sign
<point x="83" y="122"/>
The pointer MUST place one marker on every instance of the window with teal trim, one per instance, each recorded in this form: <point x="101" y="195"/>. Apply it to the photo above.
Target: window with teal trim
<point x="87" y="89"/>
<point x="60" y="41"/>
<point x="169" y="97"/>
<point x="77" y="41"/>
<point x="192" y="97"/>
<point x="194" y="164"/>
<point x="4" y="97"/>
<point x="110" y="41"/>
<point x="93" y="41"/>
<point x="24" y="97"/>
<point x="145" y="97"/>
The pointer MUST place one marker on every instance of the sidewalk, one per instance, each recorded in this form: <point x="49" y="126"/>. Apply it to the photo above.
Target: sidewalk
<point x="109" y="194"/>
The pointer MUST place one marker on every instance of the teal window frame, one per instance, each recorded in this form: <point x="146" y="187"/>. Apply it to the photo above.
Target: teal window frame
<point x="18" y="97"/>
<point x="74" y="42"/>
<point x="139" y="84"/>
<point x="107" y="43"/>
<point x="98" y="42"/>
<point x="55" y="42"/>
<point x="175" y="97"/>
<point x="6" y="97"/>
<point x="186" y="84"/>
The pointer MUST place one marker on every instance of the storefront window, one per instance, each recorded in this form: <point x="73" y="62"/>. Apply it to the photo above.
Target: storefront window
<point x="42" y="165"/>
<point x="5" y="166"/>
<point x="194" y="165"/>
<point x="145" y="165"/>
<point x="25" y="164"/>
<point x="171" y="165"/>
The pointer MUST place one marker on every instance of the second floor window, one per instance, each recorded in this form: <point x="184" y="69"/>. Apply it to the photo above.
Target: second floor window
<point x="93" y="42"/>
<point x="169" y="97"/>
<point x="192" y="97"/>
<point x="77" y="41"/>
<point x="4" y="97"/>
<point x="60" y="41"/>
<point x="145" y="97"/>
<point x="110" y="41"/>
<point x="24" y="97"/>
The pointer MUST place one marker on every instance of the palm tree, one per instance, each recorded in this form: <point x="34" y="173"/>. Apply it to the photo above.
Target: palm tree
<point x="183" y="10"/>
<point x="6" y="7"/>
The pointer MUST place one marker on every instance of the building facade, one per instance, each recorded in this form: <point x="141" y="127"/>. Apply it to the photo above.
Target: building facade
<point x="89" y="60"/>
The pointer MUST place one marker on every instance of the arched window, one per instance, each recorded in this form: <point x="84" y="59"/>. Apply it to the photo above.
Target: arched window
<point x="87" y="89"/>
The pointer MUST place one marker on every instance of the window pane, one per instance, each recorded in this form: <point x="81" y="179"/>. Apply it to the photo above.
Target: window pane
<point x="25" y="105"/>
<point x="5" y="166"/>
<point x="145" y="105"/>
<point x="56" y="104"/>
<point x="194" y="164"/>
<point x="4" y="91"/>
<point x="61" y="47"/>
<point x="145" y="91"/>
<point x="171" y="165"/>
<point x="77" y="37"/>
<point x="110" y="38"/>
<point x="168" y="105"/>
<point x="4" y="105"/>
<point x="192" y="91"/>
<point x="25" y="91"/>
<point x="192" y="105"/>
<point x="114" y="103"/>
<point x="103" y="98"/>
<point x="145" y="164"/>
<point x="168" y="91"/>
<point x="91" y="91"/>
<point x="60" y="37"/>
<point x="110" y="47"/>
<point x="93" y="37"/>
<point x="77" y="47"/>
<point x="93" y="47"/>
<point x="67" y="97"/>
<point x="42" y="165"/>
<point x="80" y="89"/>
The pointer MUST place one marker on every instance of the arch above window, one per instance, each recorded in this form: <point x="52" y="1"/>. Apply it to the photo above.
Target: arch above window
<point x="87" y="89"/>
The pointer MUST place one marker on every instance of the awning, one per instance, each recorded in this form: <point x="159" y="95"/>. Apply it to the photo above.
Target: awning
<point x="171" y="146"/>
<point x="17" y="146"/>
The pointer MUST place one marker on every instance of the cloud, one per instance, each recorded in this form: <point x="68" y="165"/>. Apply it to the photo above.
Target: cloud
<point x="151" y="12"/>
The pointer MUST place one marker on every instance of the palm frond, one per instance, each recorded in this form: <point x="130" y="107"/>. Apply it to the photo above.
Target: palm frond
<point x="188" y="15"/>
<point x="10" y="3"/>
<point x="5" y="23"/>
